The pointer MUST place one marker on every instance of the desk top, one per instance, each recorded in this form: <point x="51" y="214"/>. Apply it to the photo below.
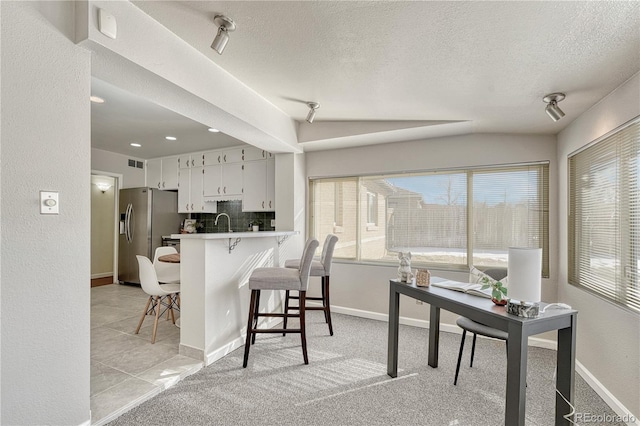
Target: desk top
<point x="475" y="307"/>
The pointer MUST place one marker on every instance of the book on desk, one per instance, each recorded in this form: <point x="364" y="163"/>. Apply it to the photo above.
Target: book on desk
<point x="469" y="288"/>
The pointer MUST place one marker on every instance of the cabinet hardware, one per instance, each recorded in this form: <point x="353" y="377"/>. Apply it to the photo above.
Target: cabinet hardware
<point x="191" y="206"/>
<point x="263" y="204"/>
<point x="158" y="185"/>
<point x="218" y="190"/>
<point x="224" y="190"/>
<point x="269" y="204"/>
<point x="225" y="158"/>
<point x="186" y="207"/>
<point x="192" y="162"/>
<point x="163" y="185"/>
<point x="218" y="158"/>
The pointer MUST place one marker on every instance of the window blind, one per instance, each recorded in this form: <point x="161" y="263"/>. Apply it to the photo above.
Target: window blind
<point x="604" y="217"/>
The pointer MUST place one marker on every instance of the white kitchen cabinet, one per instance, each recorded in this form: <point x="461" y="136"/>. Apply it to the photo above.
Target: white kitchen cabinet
<point x="162" y="173"/>
<point x="169" y="173"/>
<point x="154" y="173"/>
<point x="223" y="156"/>
<point x="259" y="186"/>
<point x="223" y="181"/>
<point x="190" y="186"/>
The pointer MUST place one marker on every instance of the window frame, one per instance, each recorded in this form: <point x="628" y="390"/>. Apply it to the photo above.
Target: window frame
<point x="463" y="267"/>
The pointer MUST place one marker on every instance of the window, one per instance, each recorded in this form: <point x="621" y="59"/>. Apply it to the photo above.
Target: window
<point x="604" y="217"/>
<point x="450" y="219"/>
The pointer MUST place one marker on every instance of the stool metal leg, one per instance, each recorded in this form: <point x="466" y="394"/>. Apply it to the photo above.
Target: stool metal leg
<point x="464" y="333"/>
<point x="303" y="334"/>
<point x="247" y="344"/>
<point x="473" y="349"/>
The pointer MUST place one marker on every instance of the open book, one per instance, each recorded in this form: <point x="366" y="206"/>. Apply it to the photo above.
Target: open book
<point x="469" y="288"/>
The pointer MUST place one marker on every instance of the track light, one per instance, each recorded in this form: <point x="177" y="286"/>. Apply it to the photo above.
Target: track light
<point x="313" y="106"/>
<point x="552" y="109"/>
<point x="225" y="26"/>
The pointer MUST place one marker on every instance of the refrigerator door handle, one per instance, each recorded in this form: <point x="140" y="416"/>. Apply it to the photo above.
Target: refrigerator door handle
<point x="127" y="223"/>
<point x="132" y="223"/>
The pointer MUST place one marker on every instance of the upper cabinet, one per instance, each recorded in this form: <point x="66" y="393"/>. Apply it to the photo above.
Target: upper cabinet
<point x="190" y="191"/>
<point x="259" y="186"/>
<point x="162" y="173"/>
<point x="252" y="153"/>
<point x="224" y="156"/>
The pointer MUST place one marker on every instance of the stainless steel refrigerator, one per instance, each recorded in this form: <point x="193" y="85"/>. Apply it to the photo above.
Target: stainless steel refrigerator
<point x="146" y="214"/>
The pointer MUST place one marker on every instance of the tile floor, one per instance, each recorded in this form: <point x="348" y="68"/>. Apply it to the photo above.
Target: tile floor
<point x="126" y="369"/>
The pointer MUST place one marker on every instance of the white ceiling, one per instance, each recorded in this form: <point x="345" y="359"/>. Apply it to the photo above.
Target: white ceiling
<point x="415" y="69"/>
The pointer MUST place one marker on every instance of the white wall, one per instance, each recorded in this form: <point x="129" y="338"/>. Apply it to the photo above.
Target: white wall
<point x="608" y="336"/>
<point x="106" y="161"/>
<point x="349" y="282"/>
<point x="45" y="264"/>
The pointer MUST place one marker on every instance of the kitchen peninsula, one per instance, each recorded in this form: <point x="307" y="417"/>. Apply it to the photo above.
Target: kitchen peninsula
<point x="214" y="294"/>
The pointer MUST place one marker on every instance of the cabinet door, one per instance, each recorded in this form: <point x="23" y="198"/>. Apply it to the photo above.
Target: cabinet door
<point x="196" y="203"/>
<point x="270" y="199"/>
<point x="252" y="153"/>
<point x="184" y="161"/>
<point x="212" y="184"/>
<point x="232" y="181"/>
<point x="232" y="155"/>
<point x="170" y="173"/>
<point x="154" y="173"/>
<point x="184" y="191"/>
<point x="211" y="158"/>
<point x="254" y="196"/>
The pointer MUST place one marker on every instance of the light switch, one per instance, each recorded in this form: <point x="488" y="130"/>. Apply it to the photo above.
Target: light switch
<point x="49" y="202"/>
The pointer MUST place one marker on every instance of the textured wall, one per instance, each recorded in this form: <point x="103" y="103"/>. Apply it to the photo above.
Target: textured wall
<point x="608" y="336"/>
<point x="45" y="259"/>
<point x="111" y="162"/>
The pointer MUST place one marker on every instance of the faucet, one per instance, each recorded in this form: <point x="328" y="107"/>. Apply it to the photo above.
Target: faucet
<point x="228" y="220"/>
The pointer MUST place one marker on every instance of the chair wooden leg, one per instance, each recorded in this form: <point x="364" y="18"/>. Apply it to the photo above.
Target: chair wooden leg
<point x="327" y="302"/>
<point x="155" y="323"/>
<point x="286" y="311"/>
<point x="168" y="306"/>
<point x="303" y="333"/>
<point x="464" y="333"/>
<point x="256" y="313"/>
<point x="247" y="344"/>
<point x="144" y="314"/>
<point x="473" y="349"/>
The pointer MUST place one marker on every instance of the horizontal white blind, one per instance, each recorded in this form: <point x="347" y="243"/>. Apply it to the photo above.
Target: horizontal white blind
<point x="604" y="217"/>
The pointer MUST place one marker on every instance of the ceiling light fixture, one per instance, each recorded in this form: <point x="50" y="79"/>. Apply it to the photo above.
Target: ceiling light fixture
<point x="225" y="26"/>
<point x="137" y="145"/>
<point x="96" y="99"/>
<point x="552" y="109"/>
<point x="313" y="106"/>
<point x="170" y="138"/>
<point x="212" y="130"/>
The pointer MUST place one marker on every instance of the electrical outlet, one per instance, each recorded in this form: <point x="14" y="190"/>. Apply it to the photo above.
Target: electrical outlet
<point x="419" y="302"/>
<point x="273" y="223"/>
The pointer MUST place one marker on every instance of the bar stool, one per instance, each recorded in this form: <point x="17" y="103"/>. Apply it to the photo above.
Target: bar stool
<point x="280" y="279"/>
<point x="322" y="269"/>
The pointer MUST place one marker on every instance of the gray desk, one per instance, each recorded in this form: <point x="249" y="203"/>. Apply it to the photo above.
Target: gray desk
<point x="519" y="329"/>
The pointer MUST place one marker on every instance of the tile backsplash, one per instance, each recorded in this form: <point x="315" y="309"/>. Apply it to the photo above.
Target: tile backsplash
<point x="239" y="220"/>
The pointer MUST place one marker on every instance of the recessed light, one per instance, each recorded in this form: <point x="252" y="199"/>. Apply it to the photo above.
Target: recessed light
<point x="96" y="99"/>
<point x="170" y="138"/>
<point x="212" y="130"/>
<point x="137" y="145"/>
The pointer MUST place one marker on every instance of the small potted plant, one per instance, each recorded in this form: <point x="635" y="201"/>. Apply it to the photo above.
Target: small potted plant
<point x="255" y="225"/>
<point x="498" y="291"/>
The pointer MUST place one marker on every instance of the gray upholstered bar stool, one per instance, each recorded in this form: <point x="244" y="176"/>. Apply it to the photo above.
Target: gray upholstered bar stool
<point x="321" y="268"/>
<point x="476" y="328"/>
<point x="280" y="279"/>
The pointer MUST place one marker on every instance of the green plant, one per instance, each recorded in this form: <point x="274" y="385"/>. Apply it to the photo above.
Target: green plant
<point x="498" y="290"/>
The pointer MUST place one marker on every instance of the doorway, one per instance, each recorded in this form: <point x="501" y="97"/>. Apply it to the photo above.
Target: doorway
<point x="104" y="250"/>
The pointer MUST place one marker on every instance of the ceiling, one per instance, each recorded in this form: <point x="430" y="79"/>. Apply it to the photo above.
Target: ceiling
<point x="408" y="70"/>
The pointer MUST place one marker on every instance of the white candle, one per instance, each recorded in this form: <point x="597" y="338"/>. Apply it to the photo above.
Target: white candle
<point x="525" y="266"/>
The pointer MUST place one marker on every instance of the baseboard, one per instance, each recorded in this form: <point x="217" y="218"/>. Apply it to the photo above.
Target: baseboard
<point x="216" y="354"/>
<point x="607" y="397"/>
<point x="102" y="275"/>
<point x="594" y="383"/>
<point x="88" y="422"/>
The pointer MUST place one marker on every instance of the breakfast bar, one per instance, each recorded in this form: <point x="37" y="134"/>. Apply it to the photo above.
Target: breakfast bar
<point x="214" y="294"/>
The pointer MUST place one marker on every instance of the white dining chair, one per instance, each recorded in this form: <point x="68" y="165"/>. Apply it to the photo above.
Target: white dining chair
<point x="168" y="273"/>
<point x="162" y="297"/>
